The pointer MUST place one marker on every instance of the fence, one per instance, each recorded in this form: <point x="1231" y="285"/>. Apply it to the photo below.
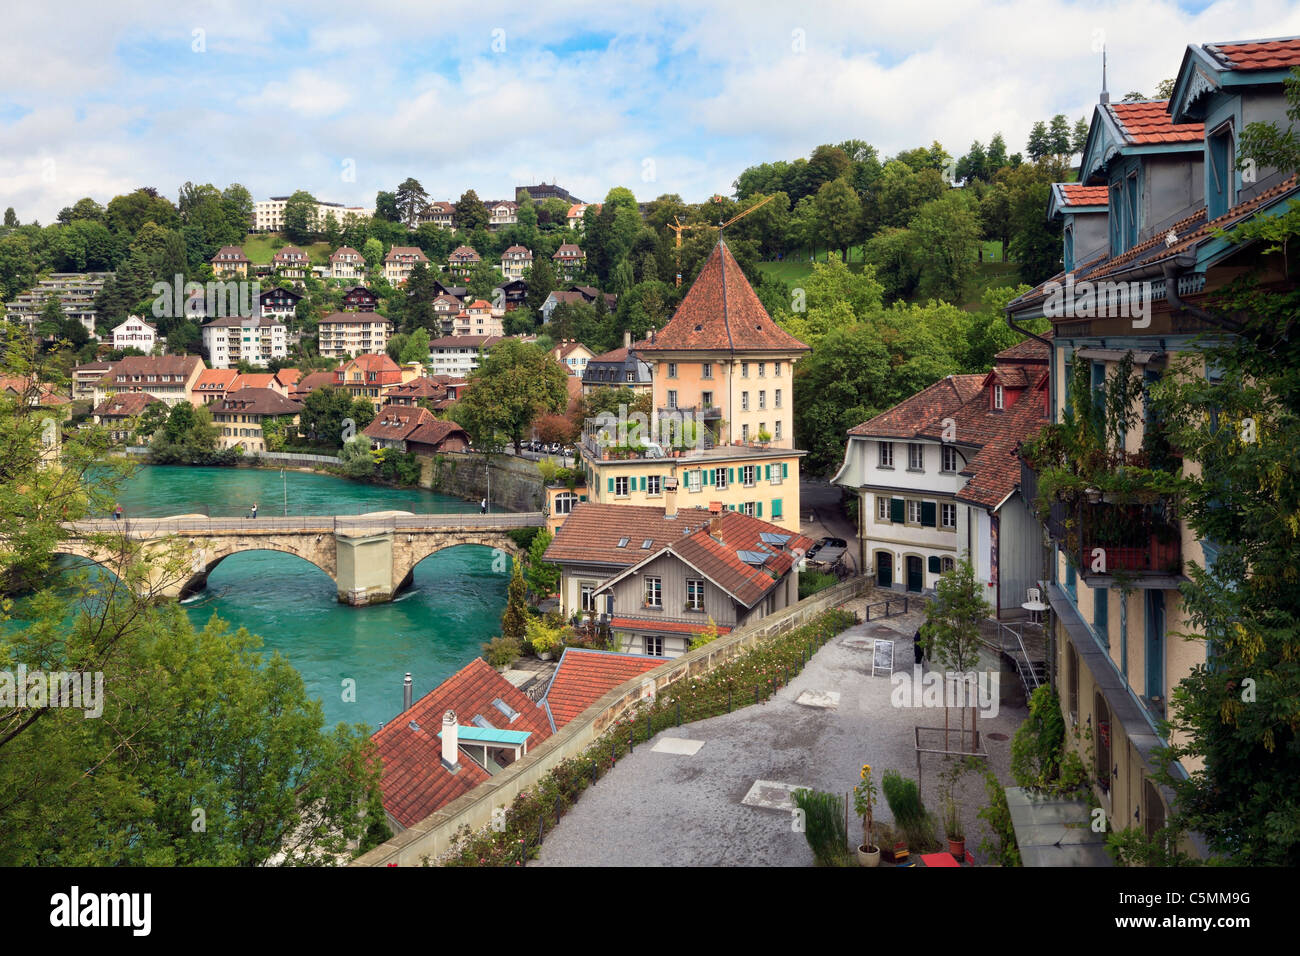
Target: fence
<point x="278" y="457"/>
<point x="367" y="524"/>
<point x="891" y="608"/>
<point x="434" y="836"/>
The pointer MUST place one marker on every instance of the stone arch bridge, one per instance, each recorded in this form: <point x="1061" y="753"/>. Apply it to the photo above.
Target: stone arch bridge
<point x="371" y="557"/>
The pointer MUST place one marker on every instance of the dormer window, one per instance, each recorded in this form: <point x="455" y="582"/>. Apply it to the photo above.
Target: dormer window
<point x="999" y="400"/>
<point x="1220" y="175"/>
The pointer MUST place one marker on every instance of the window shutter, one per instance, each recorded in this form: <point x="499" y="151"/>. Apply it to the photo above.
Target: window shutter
<point x="776" y="507"/>
<point x="611" y="486"/>
<point x="643" y="482"/>
<point x="934" y="564"/>
<point x="767" y="472"/>
<point x="731" y="476"/>
<point x="759" y="508"/>
<point x="927" y="514"/>
<point x="896" y="513"/>
<point x="582" y="497"/>
<point x="785" y="470"/>
<point x="708" y="476"/>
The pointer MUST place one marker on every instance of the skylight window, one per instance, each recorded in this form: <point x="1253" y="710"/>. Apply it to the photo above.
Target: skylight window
<point x="622" y="542"/>
<point x="645" y="545"/>
<point x="481" y="721"/>
<point x="509" y="712"/>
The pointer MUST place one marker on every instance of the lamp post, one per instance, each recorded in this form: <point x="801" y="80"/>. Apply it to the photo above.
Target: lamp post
<point x="284" y="481"/>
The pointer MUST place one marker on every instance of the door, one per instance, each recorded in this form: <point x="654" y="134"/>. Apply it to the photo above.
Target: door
<point x="915" y="573"/>
<point x="884" y="569"/>
<point x="1155" y="657"/>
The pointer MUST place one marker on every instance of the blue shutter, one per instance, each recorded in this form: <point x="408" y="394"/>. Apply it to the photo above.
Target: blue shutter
<point x="767" y="472"/>
<point x="611" y="486"/>
<point x="776" y="507"/>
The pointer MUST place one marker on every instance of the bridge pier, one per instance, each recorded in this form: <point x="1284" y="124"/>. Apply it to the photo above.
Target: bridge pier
<point x="365" y="568"/>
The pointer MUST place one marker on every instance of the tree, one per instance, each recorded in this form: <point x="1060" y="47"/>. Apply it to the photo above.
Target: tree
<point x="373" y="253"/>
<point x="1079" y="139"/>
<point x="516" y="382"/>
<point x="946" y="236"/>
<point x="514" y="619"/>
<point x="951" y="632"/>
<point x="471" y="213"/>
<point x="543" y="578"/>
<point x="386" y="207"/>
<point x="1267" y="144"/>
<point x="323" y="413"/>
<point x="411" y="200"/>
<point x="300" y="223"/>
<point x="1038" y="145"/>
<point x="483" y="280"/>
<point x="416" y="347"/>
<point x="11" y="217"/>
<point x="541" y="282"/>
<point x="837" y="212"/>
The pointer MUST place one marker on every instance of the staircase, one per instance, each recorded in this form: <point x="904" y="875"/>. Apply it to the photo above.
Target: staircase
<point x="1026" y="645"/>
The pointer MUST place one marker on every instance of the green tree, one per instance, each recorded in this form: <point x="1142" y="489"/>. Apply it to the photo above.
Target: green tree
<point x="411" y="200"/>
<point x="543" y="577"/>
<point x="416" y="348"/>
<point x="541" y="282"/>
<point x="946" y="235"/>
<point x="514" y="619"/>
<point x="323" y="413"/>
<point x="951" y="632"/>
<point x="471" y="213"/>
<point x="515" y="383"/>
<point x="838" y="213"/>
<point x="373" y="253"/>
<point x="300" y="223"/>
<point x="11" y="217"/>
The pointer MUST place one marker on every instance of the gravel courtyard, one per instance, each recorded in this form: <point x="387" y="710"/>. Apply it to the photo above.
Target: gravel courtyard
<point x="673" y="808"/>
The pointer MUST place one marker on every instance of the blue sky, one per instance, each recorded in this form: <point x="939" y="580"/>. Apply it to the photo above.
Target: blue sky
<point x="663" y="97"/>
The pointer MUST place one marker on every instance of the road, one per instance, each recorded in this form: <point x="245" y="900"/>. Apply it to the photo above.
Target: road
<point x="822" y="515"/>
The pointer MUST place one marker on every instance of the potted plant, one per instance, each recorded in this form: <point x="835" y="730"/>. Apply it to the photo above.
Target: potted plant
<point x="501" y="652"/>
<point x="543" y="637"/>
<point x="764" y="437"/>
<point x="953" y="828"/>
<point x="864" y="796"/>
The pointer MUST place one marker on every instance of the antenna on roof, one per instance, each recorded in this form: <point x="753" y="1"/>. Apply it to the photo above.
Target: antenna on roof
<point x="1105" y="96"/>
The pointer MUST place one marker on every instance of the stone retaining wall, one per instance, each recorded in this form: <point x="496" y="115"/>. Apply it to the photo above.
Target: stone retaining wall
<point x="516" y="482"/>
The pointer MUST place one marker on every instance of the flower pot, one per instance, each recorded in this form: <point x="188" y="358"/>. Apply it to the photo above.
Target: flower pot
<point x="868" y="857"/>
<point x="545" y="655"/>
<point x="957" y="849"/>
<point x="895" y="854"/>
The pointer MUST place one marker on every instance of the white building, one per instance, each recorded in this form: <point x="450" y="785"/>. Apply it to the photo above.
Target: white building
<point x="347" y="263"/>
<point x="349" y="334"/>
<point x="135" y="333"/>
<point x="458" y="355"/>
<point x="252" y="339"/>
<point x="401" y="262"/>
<point x="268" y="214"/>
<point x="937" y="478"/>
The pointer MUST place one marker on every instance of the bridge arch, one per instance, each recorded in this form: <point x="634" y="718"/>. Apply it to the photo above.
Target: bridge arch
<point x="206" y="560"/>
<point x="410" y="549"/>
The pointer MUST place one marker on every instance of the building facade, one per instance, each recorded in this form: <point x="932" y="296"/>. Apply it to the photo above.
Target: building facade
<point x="347" y="334"/>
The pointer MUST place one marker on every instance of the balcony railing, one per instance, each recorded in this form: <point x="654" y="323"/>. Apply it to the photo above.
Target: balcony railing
<point x="1105" y="537"/>
<point x="703" y="412"/>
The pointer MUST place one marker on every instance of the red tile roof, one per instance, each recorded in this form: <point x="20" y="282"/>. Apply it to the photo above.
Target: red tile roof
<point x="584" y="677"/>
<point x="215" y="379"/>
<point x="909" y="416"/>
<point x="309" y="383"/>
<point x="258" y="401"/>
<point x="657" y="624"/>
<point x="713" y="550"/>
<point x="434" y="433"/>
<point x="125" y="405"/>
<point x="397" y="422"/>
<point x="1148" y="121"/>
<point x="414" y="781"/>
<point x="1257" y="55"/>
<point x="722" y="311"/>
<point x="253" y="380"/>
<point x="1076" y="195"/>
<point x="590" y="534"/>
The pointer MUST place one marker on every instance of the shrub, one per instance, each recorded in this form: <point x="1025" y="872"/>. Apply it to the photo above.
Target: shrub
<point x="523" y="536"/>
<point x="910" y="816"/>
<point x="1036" y="748"/>
<point x="997" y="815"/>
<point x="543" y="636"/>
<point x="501" y="651"/>
<point x="810" y="582"/>
<point x="706" y="636"/>
<point x="824" y="826"/>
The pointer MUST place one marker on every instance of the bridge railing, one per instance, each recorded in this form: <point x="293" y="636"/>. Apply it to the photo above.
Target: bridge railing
<point x="157" y="527"/>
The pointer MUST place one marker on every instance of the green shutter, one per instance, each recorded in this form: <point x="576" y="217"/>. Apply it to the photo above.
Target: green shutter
<point x="927" y="514"/>
<point x="582" y="497"/>
<point x="934" y="564"/>
<point x="785" y="470"/>
<point x="643" y="482"/>
<point x="776" y="507"/>
<point x="767" y="472"/>
<point x="758" y="508"/>
<point x="731" y="476"/>
<point x="611" y="486"/>
<point x="708" y="475"/>
<point x="896" y="512"/>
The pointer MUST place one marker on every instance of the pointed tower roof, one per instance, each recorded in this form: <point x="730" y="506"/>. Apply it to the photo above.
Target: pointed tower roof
<point x="722" y="311"/>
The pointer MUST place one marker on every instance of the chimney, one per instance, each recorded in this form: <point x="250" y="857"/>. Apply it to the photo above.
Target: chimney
<point x="670" y="498"/>
<point x="627" y="338"/>
<point x="406" y="693"/>
<point x="450" y="741"/>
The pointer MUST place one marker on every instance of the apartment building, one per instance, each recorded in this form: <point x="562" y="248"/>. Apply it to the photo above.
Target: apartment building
<point x="347" y="263"/>
<point x="290" y="262"/>
<point x="230" y="262"/>
<point x="461" y="261"/>
<point x="401" y="262"/>
<point x="135" y="333"/>
<point x="241" y="415"/>
<point x="76" y="292"/>
<point x="569" y="261"/>
<point x="347" y="334"/>
<point x="268" y="214"/>
<point x="255" y="339"/>
<point x="170" y="378"/>
<point x="514" y="261"/>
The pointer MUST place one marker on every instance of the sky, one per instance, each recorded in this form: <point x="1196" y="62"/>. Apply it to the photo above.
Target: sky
<point x="664" y="97"/>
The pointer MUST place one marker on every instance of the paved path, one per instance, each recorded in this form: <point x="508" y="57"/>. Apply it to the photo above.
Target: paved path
<point x="822" y="516"/>
<point x="675" y="809"/>
<point x="309" y="524"/>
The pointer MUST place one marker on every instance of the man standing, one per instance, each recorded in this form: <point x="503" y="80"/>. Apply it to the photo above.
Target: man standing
<point x="482" y="507"/>
<point x="254" y="512"/>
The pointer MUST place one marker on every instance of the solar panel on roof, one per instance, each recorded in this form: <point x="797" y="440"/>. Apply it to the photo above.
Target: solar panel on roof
<point x="753" y="557"/>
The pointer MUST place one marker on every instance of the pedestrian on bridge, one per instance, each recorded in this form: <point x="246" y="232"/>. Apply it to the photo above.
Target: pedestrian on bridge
<point x="482" y="507"/>
<point x="117" y="513"/>
<point x="253" y="513"/>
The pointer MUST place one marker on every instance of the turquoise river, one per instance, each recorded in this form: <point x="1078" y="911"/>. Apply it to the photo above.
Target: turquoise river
<point x="432" y="629"/>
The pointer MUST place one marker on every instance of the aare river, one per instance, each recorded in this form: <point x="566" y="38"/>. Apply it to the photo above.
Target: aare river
<point x="432" y="629"/>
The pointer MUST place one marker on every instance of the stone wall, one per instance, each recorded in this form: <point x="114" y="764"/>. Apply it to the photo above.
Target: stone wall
<point x="516" y="483"/>
<point x="432" y="837"/>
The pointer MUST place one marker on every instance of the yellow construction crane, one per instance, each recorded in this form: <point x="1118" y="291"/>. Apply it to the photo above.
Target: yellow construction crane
<point x="679" y="227"/>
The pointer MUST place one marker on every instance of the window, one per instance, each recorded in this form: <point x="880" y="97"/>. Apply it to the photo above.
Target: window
<point x="913" y="512"/>
<point x="949" y="565"/>
<point x="915" y="457"/>
<point x="776" y="509"/>
<point x="948" y="458"/>
<point x="886" y="454"/>
<point x="1220" y="177"/>
<point x="629" y="376"/>
<point x="652" y="485"/>
<point x="693" y="480"/>
<point x="695" y="594"/>
<point x="998" y="399"/>
<point x="654" y="592"/>
<point x="762" y="399"/>
<point x="672" y="398"/>
<point x="947" y="516"/>
<point x="672" y="369"/>
<point x="720" y="478"/>
<point x="762" y="366"/>
<point x="620" y="486"/>
<point x="564" y="502"/>
<point x="777" y="435"/>
<point x="744" y="433"/>
<point x="654" y="646"/>
<point x="706" y="399"/>
<point x="744" y="370"/>
<point x="744" y="401"/>
<point x="882" y="508"/>
<point x="706" y="370"/>
<point x="747" y="476"/>
<point x="776" y="399"/>
<point x="776" y="369"/>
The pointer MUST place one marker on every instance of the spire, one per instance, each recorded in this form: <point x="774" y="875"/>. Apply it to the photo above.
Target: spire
<point x="1105" y="96"/>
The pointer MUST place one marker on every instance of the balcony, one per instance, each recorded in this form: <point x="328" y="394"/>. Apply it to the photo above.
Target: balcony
<point x="707" y="413"/>
<point x="1107" y="538"/>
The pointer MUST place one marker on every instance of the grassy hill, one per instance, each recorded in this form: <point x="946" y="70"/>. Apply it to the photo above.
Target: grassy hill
<point x="261" y="246"/>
